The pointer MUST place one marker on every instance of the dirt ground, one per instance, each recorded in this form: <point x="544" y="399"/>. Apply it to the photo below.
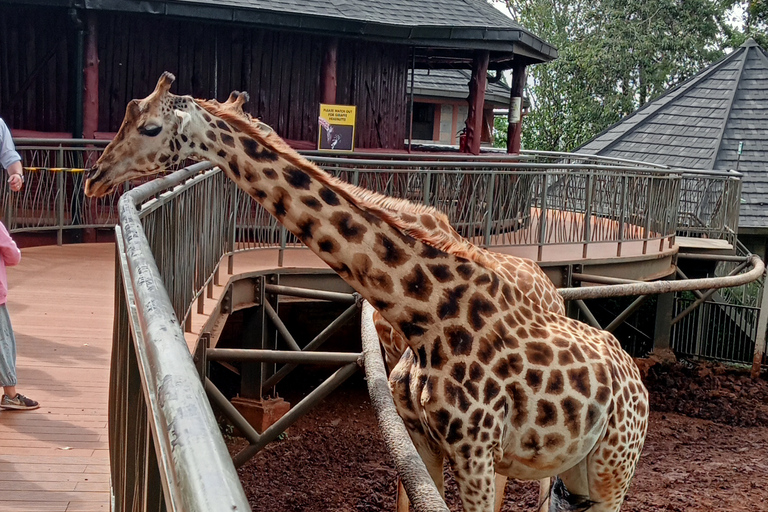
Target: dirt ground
<point x="706" y="450"/>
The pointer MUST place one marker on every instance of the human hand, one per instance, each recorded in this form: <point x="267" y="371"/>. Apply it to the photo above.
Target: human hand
<point x="16" y="181"/>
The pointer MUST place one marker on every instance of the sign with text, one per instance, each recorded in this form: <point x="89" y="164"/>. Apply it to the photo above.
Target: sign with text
<point x="336" y="127"/>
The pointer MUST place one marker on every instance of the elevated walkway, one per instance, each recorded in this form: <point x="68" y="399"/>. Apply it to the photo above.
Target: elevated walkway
<point x="56" y="458"/>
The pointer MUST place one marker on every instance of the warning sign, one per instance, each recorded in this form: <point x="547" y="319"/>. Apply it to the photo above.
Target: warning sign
<point x="337" y="127"/>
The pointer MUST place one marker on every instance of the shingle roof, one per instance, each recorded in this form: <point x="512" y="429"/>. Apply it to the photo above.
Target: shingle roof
<point x="459" y="23"/>
<point x="454" y="83"/>
<point x="701" y="123"/>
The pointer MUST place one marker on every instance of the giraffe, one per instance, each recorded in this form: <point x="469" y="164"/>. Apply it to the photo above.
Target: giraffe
<point x="492" y="381"/>
<point x="524" y="273"/>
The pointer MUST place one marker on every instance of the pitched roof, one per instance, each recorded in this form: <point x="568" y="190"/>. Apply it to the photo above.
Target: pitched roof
<point x="447" y="23"/>
<point x="700" y="124"/>
<point x="454" y="83"/>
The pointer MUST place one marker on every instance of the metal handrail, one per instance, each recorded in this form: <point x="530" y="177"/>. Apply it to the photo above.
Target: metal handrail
<point x="416" y="479"/>
<point x="196" y="470"/>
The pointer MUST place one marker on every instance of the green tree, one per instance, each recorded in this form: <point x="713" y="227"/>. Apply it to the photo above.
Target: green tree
<point x="750" y="20"/>
<point x="615" y="55"/>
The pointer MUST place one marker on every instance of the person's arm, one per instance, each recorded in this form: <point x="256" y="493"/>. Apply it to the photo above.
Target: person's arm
<point x="8" y="248"/>
<point x="10" y="159"/>
<point x="15" y="176"/>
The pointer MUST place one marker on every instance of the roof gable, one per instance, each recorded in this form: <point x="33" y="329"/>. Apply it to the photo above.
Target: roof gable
<point x="700" y="125"/>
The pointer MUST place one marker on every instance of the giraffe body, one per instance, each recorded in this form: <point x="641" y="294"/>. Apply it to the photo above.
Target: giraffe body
<point x="492" y="380"/>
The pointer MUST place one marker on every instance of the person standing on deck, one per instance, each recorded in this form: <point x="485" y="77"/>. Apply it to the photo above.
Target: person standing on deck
<point x="9" y="256"/>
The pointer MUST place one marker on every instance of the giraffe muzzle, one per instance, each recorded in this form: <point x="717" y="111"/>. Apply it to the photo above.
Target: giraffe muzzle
<point x="95" y="185"/>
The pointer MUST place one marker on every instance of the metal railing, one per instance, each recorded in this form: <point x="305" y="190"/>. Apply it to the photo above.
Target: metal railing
<point x="166" y="450"/>
<point x="536" y="198"/>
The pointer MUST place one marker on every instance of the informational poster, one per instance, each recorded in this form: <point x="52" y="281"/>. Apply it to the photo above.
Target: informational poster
<point x="337" y="127"/>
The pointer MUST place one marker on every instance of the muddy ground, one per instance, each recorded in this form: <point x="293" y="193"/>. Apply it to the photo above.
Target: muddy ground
<point x="706" y="450"/>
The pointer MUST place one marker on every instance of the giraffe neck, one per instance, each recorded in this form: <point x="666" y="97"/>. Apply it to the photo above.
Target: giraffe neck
<point x="397" y="273"/>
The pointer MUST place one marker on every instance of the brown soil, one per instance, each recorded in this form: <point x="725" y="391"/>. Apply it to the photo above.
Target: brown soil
<point x="333" y="459"/>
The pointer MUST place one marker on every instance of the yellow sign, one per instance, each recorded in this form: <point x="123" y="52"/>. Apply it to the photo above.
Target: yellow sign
<point x="336" y="127"/>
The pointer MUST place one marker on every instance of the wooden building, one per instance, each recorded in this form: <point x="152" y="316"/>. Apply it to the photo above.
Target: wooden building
<point x="69" y="67"/>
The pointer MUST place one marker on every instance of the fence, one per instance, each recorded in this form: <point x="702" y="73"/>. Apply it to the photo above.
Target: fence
<point x="166" y="451"/>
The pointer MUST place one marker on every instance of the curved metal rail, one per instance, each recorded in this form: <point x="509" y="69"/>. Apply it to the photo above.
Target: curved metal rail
<point x="418" y="484"/>
<point x="654" y="287"/>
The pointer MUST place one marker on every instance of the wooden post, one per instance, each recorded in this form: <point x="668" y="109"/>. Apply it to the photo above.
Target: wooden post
<point x="328" y="73"/>
<point x="762" y="324"/>
<point x="91" y="80"/>
<point x="477" y="83"/>
<point x="515" y="130"/>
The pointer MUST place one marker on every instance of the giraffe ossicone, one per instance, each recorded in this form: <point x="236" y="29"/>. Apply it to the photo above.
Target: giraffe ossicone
<point x="493" y="380"/>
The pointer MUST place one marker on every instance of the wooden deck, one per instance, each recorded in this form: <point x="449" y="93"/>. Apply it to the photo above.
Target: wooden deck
<point x="61" y="305"/>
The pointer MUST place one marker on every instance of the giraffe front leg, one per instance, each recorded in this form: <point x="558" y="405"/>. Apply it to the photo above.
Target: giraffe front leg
<point x="476" y="480"/>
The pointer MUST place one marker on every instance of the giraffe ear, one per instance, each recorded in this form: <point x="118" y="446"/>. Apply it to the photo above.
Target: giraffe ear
<point x="184" y="119"/>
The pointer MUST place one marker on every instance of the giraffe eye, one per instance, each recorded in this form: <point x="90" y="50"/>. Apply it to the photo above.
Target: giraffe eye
<point x="150" y="130"/>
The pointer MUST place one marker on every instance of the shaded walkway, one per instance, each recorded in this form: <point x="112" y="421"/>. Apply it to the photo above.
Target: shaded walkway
<point x="61" y="304"/>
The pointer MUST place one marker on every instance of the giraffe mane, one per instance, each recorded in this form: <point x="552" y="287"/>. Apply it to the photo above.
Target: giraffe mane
<point x="382" y="206"/>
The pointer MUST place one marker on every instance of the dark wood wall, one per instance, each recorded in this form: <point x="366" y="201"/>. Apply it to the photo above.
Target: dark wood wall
<point x="35" y="45"/>
<point x="280" y="71"/>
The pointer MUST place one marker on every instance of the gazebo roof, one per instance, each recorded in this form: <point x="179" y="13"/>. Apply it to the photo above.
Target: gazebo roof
<point x="701" y="123"/>
<point x="454" y="83"/>
<point x="454" y="24"/>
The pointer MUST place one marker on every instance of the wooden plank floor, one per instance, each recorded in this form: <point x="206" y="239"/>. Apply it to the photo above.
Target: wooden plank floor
<point x="61" y="305"/>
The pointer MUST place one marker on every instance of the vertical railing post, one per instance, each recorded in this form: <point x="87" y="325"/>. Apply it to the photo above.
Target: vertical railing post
<point x="426" y="193"/>
<point x="588" y="183"/>
<point x="762" y="325"/>
<point x="622" y="213"/>
<point x="648" y="212"/>
<point x="489" y="208"/>
<point x="283" y="242"/>
<point x="543" y="215"/>
<point x="233" y="229"/>
<point x="60" y="196"/>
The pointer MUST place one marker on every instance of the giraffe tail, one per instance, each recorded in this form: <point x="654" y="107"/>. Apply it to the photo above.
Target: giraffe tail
<point x="561" y="500"/>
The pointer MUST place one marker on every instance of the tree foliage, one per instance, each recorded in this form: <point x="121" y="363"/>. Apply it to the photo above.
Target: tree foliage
<point x="614" y="56"/>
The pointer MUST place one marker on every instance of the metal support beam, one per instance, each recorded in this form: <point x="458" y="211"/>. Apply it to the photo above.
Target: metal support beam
<point x="281" y="356"/>
<point x="706" y="295"/>
<point x="590" y="278"/>
<point x="296" y="412"/>
<point x="281" y="328"/>
<point x="625" y="314"/>
<point x="762" y="324"/>
<point x="321" y="338"/>
<point x="591" y="320"/>
<point x="662" y="331"/>
<point x="307" y="293"/>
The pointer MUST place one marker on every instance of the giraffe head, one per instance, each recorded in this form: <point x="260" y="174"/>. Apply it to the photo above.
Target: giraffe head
<point x="158" y="132"/>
